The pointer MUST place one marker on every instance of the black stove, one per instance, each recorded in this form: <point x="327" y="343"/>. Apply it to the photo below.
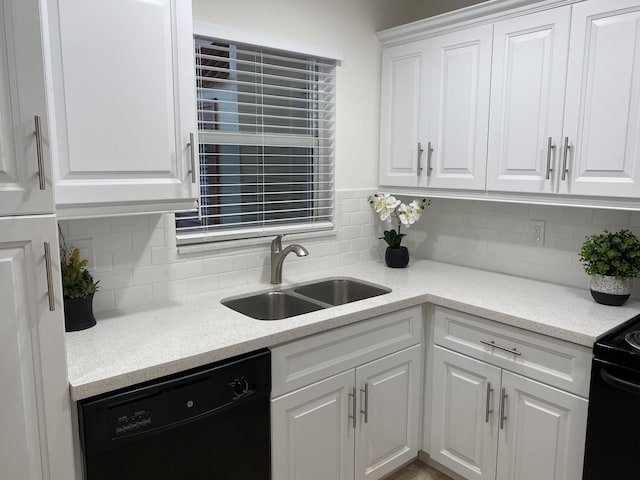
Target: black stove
<point x="612" y="449"/>
<point x="621" y="345"/>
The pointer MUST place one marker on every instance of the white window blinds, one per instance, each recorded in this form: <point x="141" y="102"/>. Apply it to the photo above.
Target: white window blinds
<point x="266" y="134"/>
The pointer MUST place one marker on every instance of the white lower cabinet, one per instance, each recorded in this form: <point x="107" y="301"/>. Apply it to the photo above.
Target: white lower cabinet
<point x="359" y="424"/>
<point x="490" y="423"/>
<point x="35" y="409"/>
<point x="310" y="438"/>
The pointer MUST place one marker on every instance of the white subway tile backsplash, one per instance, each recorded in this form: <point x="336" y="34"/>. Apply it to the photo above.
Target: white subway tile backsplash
<point x="113" y="242"/>
<point x="497" y="237"/>
<point x="168" y="290"/>
<point x="114" y="279"/>
<point x="136" y="260"/>
<point x="104" y="300"/>
<point x="134" y="296"/>
<point x="233" y="279"/>
<point x="148" y="238"/>
<point x="217" y="265"/>
<point x="130" y="223"/>
<point x="150" y="275"/>
<point x="203" y="284"/>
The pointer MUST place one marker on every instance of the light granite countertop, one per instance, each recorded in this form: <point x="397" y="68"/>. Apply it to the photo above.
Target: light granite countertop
<point x="129" y="347"/>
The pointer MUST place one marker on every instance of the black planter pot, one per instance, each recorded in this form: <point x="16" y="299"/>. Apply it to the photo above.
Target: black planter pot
<point x="78" y="313"/>
<point x="396" y="257"/>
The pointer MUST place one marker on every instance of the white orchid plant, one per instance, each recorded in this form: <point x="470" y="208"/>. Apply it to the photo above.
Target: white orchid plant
<point x="393" y="211"/>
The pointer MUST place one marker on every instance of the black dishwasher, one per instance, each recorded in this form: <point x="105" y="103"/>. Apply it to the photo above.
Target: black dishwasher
<point x="208" y="423"/>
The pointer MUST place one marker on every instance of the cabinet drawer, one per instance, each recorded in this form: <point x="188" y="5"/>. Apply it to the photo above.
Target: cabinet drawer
<point x="316" y="357"/>
<point x="549" y="360"/>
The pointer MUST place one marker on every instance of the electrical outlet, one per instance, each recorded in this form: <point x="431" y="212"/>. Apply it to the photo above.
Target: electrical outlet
<point x="537" y="232"/>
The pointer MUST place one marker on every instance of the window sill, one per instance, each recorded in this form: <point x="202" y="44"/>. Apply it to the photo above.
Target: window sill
<point x="252" y="242"/>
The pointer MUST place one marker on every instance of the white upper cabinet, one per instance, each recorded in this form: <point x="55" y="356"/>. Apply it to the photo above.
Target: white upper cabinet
<point x="25" y="157"/>
<point x="435" y="111"/>
<point x="124" y="94"/>
<point x="559" y="83"/>
<point x="458" y="106"/>
<point x="602" y="115"/>
<point x="527" y="101"/>
<point x="403" y="114"/>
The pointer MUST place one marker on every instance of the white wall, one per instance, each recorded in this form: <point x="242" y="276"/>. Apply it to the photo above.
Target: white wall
<point x="347" y="26"/>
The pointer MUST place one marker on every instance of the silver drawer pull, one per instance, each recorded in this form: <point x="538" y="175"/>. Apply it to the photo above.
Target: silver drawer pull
<point x="39" y="153"/>
<point x="192" y="146"/>
<point x="353" y="406"/>
<point x="365" y="412"/>
<point x="499" y="347"/>
<point x="487" y="409"/>
<point x="565" y="169"/>
<point x="47" y="262"/>
<point x="420" y="150"/>
<point x="429" y="152"/>
<point x="503" y="413"/>
<point x="550" y="146"/>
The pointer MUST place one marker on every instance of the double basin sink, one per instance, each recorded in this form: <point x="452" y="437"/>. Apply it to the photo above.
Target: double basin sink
<point x="306" y="298"/>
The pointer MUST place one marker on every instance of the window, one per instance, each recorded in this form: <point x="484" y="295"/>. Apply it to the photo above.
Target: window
<point x="266" y="134"/>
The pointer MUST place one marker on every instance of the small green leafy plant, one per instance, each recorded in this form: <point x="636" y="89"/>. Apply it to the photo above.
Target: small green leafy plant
<point x="77" y="282"/>
<point x="613" y="254"/>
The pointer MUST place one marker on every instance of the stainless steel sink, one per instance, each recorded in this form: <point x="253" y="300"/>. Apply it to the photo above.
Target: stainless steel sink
<point x="279" y="304"/>
<point x="339" y="291"/>
<point x="272" y="305"/>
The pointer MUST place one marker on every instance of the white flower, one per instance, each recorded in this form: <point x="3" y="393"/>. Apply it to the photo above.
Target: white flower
<point x="384" y="205"/>
<point x="410" y="214"/>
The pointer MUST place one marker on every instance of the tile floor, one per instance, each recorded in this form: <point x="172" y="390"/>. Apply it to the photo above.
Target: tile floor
<point x="418" y="471"/>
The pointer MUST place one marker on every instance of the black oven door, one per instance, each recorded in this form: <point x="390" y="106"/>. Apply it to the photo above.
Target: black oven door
<point x="613" y="428"/>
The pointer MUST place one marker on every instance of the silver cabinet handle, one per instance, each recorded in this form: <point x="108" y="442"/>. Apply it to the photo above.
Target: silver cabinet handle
<point x="365" y="412"/>
<point x="420" y="150"/>
<point x="429" y="152"/>
<point x="192" y="145"/>
<point x="39" y="153"/>
<point x="500" y="347"/>
<point x="503" y="413"/>
<point x="47" y="262"/>
<point x="565" y="170"/>
<point x="487" y="409"/>
<point x="550" y="146"/>
<point x="353" y="406"/>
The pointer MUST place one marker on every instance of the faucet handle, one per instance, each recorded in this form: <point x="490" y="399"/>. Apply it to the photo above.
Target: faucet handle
<point x="276" y="243"/>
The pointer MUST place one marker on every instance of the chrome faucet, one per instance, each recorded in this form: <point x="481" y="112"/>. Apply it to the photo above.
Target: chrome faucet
<point x="278" y="254"/>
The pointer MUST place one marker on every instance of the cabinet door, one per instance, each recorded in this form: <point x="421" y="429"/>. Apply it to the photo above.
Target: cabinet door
<point x="544" y="432"/>
<point x="464" y="416"/>
<point x="35" y="438"/>
<point x="387" y="430"/>
<point x="458" y="102"/>
<point x="125" y="104"/>
<point x="402" y="114"/>
<point x="527" y="101"/>
<point x="602" y="115"/>
<point x="25" y="160"/>
<point x="312" y="434"/>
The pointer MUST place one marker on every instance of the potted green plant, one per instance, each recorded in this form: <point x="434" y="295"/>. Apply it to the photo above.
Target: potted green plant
<point x="612" y="259"/>
<point x="396" y="213"/>
<point x="78" y="289"/>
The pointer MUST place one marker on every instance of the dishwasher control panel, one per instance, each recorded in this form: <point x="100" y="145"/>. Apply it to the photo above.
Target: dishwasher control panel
<point x="138" y="421"/>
